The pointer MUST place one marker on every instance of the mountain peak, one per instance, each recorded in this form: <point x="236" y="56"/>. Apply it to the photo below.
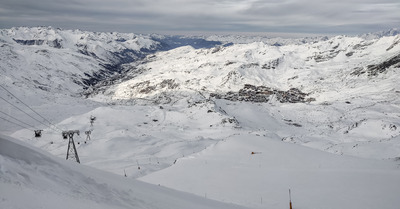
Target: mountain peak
<point x="380" y="34"/>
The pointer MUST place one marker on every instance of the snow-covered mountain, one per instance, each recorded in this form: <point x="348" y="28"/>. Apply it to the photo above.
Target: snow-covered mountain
<point x="186" y="112"/>
<point x="347" y="86"/>
<point x="65" y="60"/>
<point x="348" y="62"/>
<point x="380" y="34"/>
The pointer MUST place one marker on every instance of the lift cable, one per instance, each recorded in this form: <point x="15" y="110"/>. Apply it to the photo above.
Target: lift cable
<point x="26" y="113"/>
<point x="16" y="124"/>
<point x="17" y="119"/>
<point x="29" y="108"/>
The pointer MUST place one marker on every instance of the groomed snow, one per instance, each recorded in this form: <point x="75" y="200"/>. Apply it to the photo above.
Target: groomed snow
<point x="230" y="172"/>
<point x="31" y="178"/>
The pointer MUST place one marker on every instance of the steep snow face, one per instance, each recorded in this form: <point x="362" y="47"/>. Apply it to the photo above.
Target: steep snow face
<point x="44" y="68"/>
<point x="66" y="60"/>
<point x="30" y="178"/>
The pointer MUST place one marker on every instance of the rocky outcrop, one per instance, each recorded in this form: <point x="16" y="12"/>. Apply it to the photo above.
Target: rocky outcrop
<point x="56" y="43"/>
<point x="327" y="55"/>
<point x="272" y="64"/>
<point x="146" y="87"/>
<point x="376" y="69"/>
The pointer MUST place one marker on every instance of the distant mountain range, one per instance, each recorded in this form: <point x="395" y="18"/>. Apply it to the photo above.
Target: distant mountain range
<point x="82" y="59"/>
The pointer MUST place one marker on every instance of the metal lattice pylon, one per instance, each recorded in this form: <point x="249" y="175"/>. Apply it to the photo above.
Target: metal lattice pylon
<point x="71" y="151"/>
<point x="88" y="135"/>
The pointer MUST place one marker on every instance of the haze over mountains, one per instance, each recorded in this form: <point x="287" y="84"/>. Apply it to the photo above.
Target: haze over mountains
<point x="211" y="115"/>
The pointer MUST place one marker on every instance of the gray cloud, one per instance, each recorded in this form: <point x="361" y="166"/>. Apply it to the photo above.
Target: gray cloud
<point x="174" y="16"/>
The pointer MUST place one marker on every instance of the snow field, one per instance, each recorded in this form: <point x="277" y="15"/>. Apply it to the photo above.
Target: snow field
<point x="31" y="178"/>
<point x="181" y="151"/>
<point x="125" y="138"/>
<point x="230" y="172"/>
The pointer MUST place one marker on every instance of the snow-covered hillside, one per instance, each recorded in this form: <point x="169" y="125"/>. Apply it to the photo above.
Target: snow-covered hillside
<point x="257" y="171"/>
<point x="226" y="119"/>
<point x="31" y="178"/>
<point x="65" y="60"/>
<point x="323" y="68"/>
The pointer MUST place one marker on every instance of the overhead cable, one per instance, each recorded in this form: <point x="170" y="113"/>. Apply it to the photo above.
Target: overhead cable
<point x="15" y="123"/>
<point x="17" y="119"/>
<point x="26" y="113"/>
<point x="29" y="107"/>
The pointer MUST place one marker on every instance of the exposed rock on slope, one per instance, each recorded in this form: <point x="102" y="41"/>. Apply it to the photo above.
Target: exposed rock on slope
<point x="376" y="69"/>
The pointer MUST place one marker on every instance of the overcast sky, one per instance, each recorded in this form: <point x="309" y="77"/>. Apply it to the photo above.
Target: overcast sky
<point x="205" y="16"/>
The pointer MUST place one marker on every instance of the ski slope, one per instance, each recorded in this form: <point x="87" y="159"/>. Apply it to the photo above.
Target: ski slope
<point x="32" y="178"/>
<point x="190" y="150"/>
<point x="230" y="172"/>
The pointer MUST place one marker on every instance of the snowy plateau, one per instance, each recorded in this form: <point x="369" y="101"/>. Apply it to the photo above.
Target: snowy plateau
<point x="199" y="121"/>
